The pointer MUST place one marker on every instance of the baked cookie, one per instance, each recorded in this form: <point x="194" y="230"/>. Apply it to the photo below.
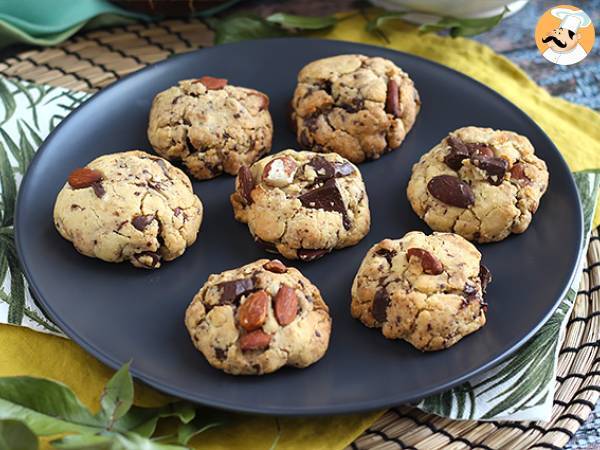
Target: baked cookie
<point x="427" y="290"/>
<point x="129" y="206"/>
<point x="302" y="204"/>
<point x="354" y="105"/>
<point x="210" y="126"/>
<point x="259" y="318"/>
<point x="481" y="183"/>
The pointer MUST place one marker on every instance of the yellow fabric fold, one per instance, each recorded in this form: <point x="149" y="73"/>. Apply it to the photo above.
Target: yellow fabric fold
<point x="574" y="129"/>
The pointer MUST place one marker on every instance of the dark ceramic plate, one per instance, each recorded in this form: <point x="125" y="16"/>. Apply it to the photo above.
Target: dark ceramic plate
<point x="117" y="312"/>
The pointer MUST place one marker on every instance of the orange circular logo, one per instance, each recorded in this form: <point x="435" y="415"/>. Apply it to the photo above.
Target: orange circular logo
<point x="564" y="35"/>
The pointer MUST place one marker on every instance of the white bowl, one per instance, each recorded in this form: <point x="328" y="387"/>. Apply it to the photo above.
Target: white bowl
<point x="424" y="11"/>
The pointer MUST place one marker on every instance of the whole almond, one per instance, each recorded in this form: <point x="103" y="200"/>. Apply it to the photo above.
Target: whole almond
<point x="84" y="177"/>
<point x="517" y="172"/>
<point x="279" y="172"/>
<point x="286" y="305"/>
<point x="212" y="83"/>
<point x="255" y="340"/>
<point x="253" y="312"/>
<point x="275" y="266"/>
<point x="391" y="101"/>
<point x="430" y="264"/>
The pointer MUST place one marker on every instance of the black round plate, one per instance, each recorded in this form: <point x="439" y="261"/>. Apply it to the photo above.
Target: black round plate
<point x="117" y="312"/>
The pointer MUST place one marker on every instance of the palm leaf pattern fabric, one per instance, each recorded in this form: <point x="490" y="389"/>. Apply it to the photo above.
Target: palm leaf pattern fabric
<point x="521" y="388"/>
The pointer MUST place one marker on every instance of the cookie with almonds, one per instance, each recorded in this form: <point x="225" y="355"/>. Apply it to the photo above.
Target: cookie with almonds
<point x="129" y="206"/>
<point x="258" y="318"/>
<point x="357" y="106"/>
<point x="302" y="204"/>
<point x="427" y="290"/>
<point x="210" y="126"/>
<point x="481" y="183"/>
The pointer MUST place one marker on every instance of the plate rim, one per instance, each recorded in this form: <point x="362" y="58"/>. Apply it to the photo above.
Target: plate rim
<point x="354" y="407"/>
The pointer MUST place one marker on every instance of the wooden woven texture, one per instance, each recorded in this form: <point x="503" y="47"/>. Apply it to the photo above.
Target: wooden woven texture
<point x="95" y="59"/>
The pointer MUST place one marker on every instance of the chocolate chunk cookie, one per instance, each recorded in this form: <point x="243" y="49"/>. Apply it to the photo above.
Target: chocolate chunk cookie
<point x="481" y="183"/>
<point x="302" y="204"/>
<point x="210" y="126"/>
<point x="427" y="290"/>
<point x="259" y="318"/>
<point x="354" y="105"/>
<point x="129" y="206"/>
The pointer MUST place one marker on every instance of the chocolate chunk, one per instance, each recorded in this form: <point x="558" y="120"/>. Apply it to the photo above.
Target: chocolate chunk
<point x="308" y="254"/>
<point x="268" y="246"/>
<point x="458" y="152"/>
<point x="380" y="304"/>
<point x="325" y="85"/>
<point x="177" y="211"/>
<point x="98" y="189"/>
<point x="303" y="140"/>
<point x="326" y="197"/>
<point x="353" y="107"/>
<point x="387" y="254"/>
<point x="325" y="169"/>
<point x="494" y="167"/>
<point x="429" y="263"/>
<point x="220" y="354"/>
<point x="485" y="276"/>
<point x="451" y="190"/>
<point x="155" y="258"/>
<point x="391" y="102"/>
<point x="246" y="183"/>
<point x="232" y="290"/>
<point x="141" y="222"/>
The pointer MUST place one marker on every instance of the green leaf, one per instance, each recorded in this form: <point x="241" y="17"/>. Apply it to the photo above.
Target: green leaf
<point x="24" y="89"/>
<point x="302" y="22"/>
<point x="110" y="441"/>
<point x="15" y="435"/>
<point x="379" y="21"/>
<point x="143" y="420"/>
<point x="84" y="442"/>
<point x="46" y="406"/>
<point x="240" y="28"/>
<point x="27" y="149"/>
<point x="17" y="289"/>
<point x="463" y="27"/>
<point x="9" y="188"/>
<point x="8" y="101"/>
<point x="187" y="431"/>
<point x="117" y="397"/>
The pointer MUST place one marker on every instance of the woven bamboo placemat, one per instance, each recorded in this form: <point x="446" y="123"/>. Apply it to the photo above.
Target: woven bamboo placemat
<point x="95" y="59"/>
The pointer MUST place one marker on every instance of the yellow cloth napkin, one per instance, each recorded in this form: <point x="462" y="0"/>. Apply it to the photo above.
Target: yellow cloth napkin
<point x="574" y="129"/>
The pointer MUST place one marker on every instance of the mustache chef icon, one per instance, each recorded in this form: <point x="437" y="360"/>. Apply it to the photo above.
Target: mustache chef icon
<point x="563" y="42"/>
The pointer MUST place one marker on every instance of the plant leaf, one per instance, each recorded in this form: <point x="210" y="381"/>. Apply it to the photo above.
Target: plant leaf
<point x="15" y="435"/>
<point x="379" y="21"/>
<point x="84" y="442"/>
<point x="9" y="188"/>
<point x="463" y="27"/>
<point x="46" y="406"/>
<point x="17" y="289"/>
<point x="143" y="420"/>
<point x="8" y="101"/>
<point x="117" y="397"/>
<point x="302" y="22"/>
<point x="240" y="28"/>
<point x="187" y="431"/>
<point x="131" y="441"/>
